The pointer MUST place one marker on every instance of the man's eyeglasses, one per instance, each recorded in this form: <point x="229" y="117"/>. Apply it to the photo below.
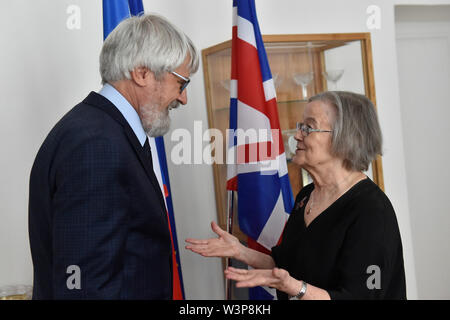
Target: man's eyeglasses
<point x="306" y="130"/>
<point x="185" y="83"/>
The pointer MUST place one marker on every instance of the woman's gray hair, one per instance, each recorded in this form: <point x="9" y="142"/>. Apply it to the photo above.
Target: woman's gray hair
<point x="357" y="137"/>
<point x="145" y="41"/>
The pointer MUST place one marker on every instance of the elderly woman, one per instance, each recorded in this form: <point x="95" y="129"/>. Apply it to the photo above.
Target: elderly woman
<point x="342" y="239"/>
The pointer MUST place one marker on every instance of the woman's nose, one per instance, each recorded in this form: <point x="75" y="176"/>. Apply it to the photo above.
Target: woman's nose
<point x="298" y="135"/>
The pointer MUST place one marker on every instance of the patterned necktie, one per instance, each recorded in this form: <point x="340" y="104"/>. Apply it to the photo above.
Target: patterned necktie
<point x="147" y="151"/>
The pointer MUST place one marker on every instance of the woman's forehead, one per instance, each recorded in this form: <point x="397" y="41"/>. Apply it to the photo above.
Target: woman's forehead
<point x="319" y="112"/>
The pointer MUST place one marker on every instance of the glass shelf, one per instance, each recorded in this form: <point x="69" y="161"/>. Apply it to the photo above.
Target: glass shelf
<point x="293" y="101"/>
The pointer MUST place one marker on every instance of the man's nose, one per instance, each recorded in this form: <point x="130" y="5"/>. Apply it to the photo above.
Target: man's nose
<point x="182" y="98"/>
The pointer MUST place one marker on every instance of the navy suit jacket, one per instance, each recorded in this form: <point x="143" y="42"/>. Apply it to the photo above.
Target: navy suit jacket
<point x="95" y="204"/>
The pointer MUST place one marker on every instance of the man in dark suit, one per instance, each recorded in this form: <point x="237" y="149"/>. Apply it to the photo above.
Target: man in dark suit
<point x="97" y="218"/>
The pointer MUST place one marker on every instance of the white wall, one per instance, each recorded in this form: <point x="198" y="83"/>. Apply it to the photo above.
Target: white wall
<point x="423" y="41"/>
<point x="46" y="69"/>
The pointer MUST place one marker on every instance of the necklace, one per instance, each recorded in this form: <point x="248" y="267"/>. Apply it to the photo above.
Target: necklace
<point x="310" y="204"/>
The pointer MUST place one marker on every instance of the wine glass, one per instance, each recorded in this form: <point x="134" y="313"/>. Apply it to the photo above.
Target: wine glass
<point x="304" y="79"/>
<point x="277" y="80"/>
<point x="333" y="76"/>
<point x="290" y="144"/>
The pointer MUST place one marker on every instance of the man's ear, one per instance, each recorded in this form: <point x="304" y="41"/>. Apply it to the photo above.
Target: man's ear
<point x="142" y="76"/>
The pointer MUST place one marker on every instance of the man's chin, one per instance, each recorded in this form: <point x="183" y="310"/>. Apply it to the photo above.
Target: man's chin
<point x="158" y="132"/>
<point x="155" y="123"/>
<point x="158" y="128"/>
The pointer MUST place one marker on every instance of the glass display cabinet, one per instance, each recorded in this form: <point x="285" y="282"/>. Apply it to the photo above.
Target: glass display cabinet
<point x="302" y="66"/>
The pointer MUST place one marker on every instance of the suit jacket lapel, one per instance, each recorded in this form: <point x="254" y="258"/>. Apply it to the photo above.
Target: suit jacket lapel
<point x="104" y="104"/>
<point x="145" y="163"/>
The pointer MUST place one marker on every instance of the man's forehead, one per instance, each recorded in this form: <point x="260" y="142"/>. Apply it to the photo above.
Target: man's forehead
<point x="184" y="67"/>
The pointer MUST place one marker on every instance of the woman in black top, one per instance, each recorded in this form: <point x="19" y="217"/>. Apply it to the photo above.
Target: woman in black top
<point x="341" y="240"/>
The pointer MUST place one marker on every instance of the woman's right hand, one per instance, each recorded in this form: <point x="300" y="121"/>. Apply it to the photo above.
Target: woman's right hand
<point x="226" y="245"/>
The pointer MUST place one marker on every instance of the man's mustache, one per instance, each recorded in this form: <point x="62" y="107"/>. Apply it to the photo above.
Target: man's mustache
<point x="175" y="104"/>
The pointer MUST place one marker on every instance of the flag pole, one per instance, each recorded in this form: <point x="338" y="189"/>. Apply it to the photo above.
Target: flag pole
<point x="230" y="214"/>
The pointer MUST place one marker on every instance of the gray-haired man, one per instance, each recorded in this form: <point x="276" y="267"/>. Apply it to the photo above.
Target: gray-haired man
<point x="96" y="208"/>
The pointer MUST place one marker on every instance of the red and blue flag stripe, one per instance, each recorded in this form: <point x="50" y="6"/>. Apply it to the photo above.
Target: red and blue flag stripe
<point x="258" y="169"/>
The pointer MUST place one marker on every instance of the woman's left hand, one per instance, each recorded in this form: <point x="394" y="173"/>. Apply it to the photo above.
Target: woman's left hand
<point x="275" y="278"/>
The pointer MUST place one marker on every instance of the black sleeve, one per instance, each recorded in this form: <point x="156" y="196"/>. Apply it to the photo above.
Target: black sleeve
<point x="365" y="265"/>
<point x="277" y="255"/>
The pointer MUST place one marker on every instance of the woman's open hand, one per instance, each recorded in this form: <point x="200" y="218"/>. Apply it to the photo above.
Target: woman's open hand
<point x="276" y="278"/>
<point x="226" y="245"/>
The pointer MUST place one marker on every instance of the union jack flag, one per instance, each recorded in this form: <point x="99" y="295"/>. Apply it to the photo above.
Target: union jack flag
<point x="258" y="169"/>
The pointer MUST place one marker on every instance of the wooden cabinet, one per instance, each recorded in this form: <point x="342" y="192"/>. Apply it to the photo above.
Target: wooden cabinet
<point x="293" y="59"/>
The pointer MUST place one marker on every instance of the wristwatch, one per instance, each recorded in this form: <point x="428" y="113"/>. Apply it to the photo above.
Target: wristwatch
<point x="302" y="292"/>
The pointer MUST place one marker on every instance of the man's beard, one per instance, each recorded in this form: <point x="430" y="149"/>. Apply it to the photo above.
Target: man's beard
<point x="156" y="123"/>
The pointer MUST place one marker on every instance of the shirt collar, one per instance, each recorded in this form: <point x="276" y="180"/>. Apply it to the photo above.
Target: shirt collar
<point x="127" y="110"/>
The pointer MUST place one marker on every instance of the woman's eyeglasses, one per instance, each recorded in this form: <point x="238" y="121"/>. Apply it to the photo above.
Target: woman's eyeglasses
<point x="306" y="130"/>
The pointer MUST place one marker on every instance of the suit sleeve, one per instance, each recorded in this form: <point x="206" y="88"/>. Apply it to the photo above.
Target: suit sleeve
<point x="90" y="221"/>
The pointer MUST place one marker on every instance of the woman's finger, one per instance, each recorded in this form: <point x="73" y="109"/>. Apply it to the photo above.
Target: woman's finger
<point x="197" y="247"/>
<point x="238" y="271"/>
<point x="236" y="276"/>
<point x="197" y="241"/>
<point x="218" y="230"/>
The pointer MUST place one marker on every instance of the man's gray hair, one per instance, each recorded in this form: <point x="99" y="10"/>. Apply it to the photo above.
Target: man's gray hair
<point x="145" y="41"/>
<point x="357" y="137"/>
